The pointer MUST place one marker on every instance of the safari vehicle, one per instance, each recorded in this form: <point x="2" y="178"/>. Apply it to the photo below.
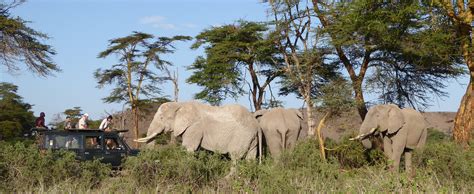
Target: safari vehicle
<point x="88" y="144"/>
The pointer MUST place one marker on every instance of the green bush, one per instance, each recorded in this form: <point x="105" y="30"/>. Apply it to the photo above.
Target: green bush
<point x="25" y="168"/>
<point x="442" y="166"/>
<point x="447" y="160"/>
<point x="174" y="166"/>
<point x="351" y="154"/>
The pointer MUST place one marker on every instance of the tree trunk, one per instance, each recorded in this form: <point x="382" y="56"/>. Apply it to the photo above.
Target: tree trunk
<point x="135" y="127"/>
<point x="360" y="102"/>
<point x="309" y="111"/>
<point x="463" y="123"/>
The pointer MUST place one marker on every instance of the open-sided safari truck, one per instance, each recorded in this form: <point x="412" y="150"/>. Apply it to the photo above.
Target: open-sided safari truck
<point x="88" y="144"/>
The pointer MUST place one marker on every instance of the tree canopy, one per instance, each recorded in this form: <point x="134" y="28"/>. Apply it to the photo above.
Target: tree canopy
<point x="234" y="52"/>
<point x="21" y="44"/>
<point x="133" y="75"/>
<point x="15" y="115"/>
<point x="404" y="49"/>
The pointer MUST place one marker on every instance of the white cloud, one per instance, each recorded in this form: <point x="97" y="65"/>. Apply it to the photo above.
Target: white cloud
<point x="157" y="22"/>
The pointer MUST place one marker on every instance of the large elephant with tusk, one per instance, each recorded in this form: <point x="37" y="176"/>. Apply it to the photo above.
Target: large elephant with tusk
<point x="229" y="129"/>
<point x="402" y="131"/>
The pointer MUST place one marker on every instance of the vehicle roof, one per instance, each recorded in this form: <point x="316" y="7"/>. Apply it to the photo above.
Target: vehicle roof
<point x="80" y="131"/>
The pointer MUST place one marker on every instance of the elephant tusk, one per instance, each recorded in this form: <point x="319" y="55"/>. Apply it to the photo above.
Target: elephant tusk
<point x="355" y="138"/>
<point x="362" y="136"/>
<point x="145" y="139"/>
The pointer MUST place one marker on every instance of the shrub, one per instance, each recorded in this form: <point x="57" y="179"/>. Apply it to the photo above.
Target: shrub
<point x="25" y="168"/>
<point x="351" y="154"/>
<point x="447" y="160"/>
<point x="174" y="166"/>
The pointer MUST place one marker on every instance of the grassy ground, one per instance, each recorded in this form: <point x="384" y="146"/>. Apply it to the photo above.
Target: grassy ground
<point x="441" y="167"/>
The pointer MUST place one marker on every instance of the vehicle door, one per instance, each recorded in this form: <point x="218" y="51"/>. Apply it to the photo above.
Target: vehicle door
<point x="114" y="150"/>
<point x="93" y="144"/>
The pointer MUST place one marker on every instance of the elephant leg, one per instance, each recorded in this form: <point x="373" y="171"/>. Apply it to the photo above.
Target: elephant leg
<point x="408" y="155"/>
<point x="291" y="138"/>
<point x="398" y="147"/>
<point x="233" y="169"/>
<point x="192" y="139"/>
<point x="273" y="140"/>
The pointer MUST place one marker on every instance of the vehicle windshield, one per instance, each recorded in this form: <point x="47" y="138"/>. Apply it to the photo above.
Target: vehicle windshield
<point x="57" y="141"/>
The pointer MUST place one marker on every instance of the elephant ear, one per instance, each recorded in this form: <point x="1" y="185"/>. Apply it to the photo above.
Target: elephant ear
<point x="184" y="117"/>
<point x="395" y="119"/>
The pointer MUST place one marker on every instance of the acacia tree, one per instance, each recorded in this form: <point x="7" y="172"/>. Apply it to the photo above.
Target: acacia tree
<point x="461" y="14"/>
<point x="305" y="67"/>
<point x="133" y="76"/>
<point x="15" y="115"/>
<point x="22" y="44"/>
<point x="232" y="51"/>
<point x="409" y="50"/>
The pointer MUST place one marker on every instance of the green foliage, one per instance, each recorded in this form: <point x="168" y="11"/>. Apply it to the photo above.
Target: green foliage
<point x="94" y="124"/>
<point x="21" y="44"/>
<point x="133" y="75"/>
<point x="162" y="138"/>
<point x="441" y="166"/>
<point x="232" y="51"/>
<point x="351" y="154"/>
<point x="173" y="166"/>
<point x="24" y="168"/>
<point x="336" y="97"/>
<point x="410" y="46"/>
<point x="15" y="115"/>
<point x="74" y="113"/>
<point x="446" y="160"/>
<point x="437" y="136"/>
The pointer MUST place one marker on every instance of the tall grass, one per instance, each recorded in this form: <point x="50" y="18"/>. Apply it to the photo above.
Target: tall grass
<point x="442" y="166"/>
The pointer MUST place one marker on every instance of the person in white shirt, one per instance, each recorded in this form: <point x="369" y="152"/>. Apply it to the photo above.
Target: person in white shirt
<point x="105" y="125"/>
<point x="82" y="124"/>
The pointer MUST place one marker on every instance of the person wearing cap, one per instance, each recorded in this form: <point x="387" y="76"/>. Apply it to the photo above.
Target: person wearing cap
<point x="82" y="124"/>
<point x="39" y="123"/>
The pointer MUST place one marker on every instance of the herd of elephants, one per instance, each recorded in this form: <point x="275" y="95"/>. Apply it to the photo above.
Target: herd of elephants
<point x="233" y="130"/>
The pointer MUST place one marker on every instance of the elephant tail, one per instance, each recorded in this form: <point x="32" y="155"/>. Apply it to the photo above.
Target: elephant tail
<point x="260" y="150"/>
<point x="423" y="137"/>
<point x="283" y="140"/>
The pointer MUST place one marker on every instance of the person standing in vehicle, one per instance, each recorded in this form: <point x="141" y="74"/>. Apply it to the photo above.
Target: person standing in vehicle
<point x="67" y="123"/>
<point x="105" y="125"/>
<point x="82" y="124"/>
<point x="39" y="123"/>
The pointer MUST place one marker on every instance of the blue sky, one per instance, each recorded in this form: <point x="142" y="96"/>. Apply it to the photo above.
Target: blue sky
<point x="80" y="29"/>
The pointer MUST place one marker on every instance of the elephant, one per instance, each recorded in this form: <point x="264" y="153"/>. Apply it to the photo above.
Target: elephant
<point x="229" y="129"/>
<point x="402" y="130"/>
<point x="281" y="128"/>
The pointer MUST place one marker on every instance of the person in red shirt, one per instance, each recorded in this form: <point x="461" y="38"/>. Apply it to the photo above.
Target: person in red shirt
<point x="39" y="123"/>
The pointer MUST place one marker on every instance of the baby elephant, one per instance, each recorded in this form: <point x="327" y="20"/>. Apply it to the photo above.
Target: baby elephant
<point x="281" y="128"/>
<point x="402" y="131"/>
